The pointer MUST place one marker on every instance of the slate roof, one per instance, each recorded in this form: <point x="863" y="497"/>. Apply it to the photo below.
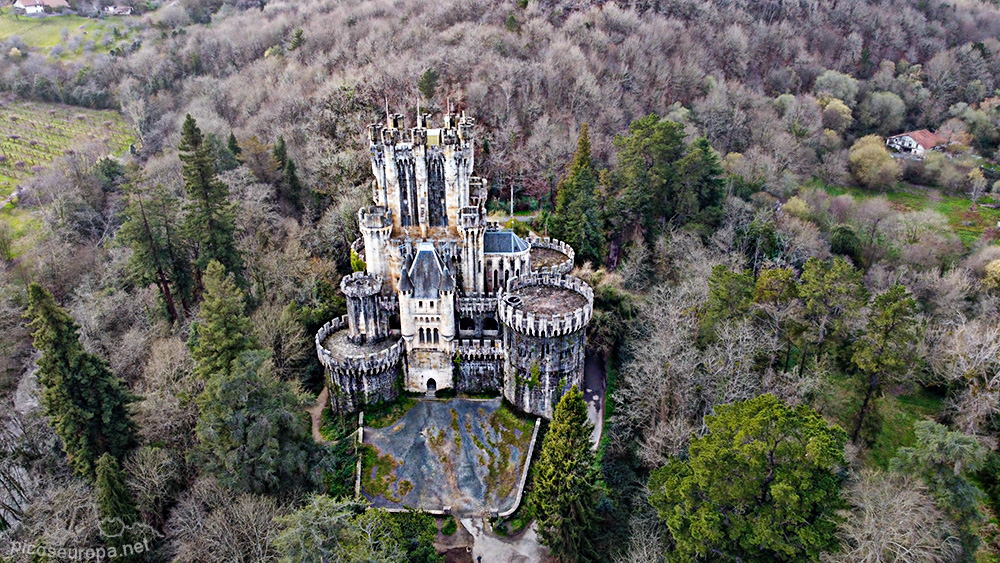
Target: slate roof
<point x="428" y="274"/>
<point x="503" y="242"/>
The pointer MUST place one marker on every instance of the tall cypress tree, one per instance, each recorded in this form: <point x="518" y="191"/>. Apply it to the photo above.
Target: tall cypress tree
<point x="566" y="492"/>
<point x="280" y="152"/>
<point x="234" y="145"/>
<point x="159" y="253"/>
<point x="577" y="220"/>
<point x="87" y="404"/>
<point x="222" y="332"/>
<point x="210" y="221"/>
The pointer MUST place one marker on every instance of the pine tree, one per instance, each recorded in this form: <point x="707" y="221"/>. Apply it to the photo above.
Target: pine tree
<point x="253" y="435"/>
<point x="647" y="175"/>
<point x="292" y="186"/>
<point x="117" y="506"/>
<point x="700" y="186"/>
<point x="210" y="222"/>
<point x="223" y="330"/>
<point x="114" y="499"/>
<point x="87" y="404"/>
<point x="159" y="255"/>
<point x="298" y="39"/>
<point x="234" y="145"/>
<point x="280" y="152"/>
<point x="577" y="219"/>
<point x="566" y="490"/>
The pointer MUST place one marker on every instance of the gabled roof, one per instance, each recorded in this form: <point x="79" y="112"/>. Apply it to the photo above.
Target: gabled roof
<point x="924" y="138"/>
<point x="503" y="242"/>
<point x="428" y="274"/>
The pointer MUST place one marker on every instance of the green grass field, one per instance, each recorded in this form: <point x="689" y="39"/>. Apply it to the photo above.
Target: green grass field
<point x="42" y="34"/>
<point x="32" y="134"/>
<point x="968" y="225"/>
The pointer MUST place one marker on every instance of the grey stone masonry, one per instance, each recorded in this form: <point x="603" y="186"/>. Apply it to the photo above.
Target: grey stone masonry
<point x="559" y="246"/>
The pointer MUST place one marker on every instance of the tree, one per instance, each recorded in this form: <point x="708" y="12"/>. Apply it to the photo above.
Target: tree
<point x="566" y="492"/>
<point x="87" y="404"/>
<point x="314" y="532"/>
<point x="833" y="84"/>
<point x="942" y="459"/>
<point x="159" y="254"/>
<point x="280" y="152"/>
<point x="977" y="185"/>
<point x="223" y="330"/>
<point x="253" y="436"/>
<point x="832" y="293"/>
<point x="577" y="217"/>
<point x="646" y="174"/>
<point x="871" y="164"/>
<point x="969" y="360"/>
<point x="234" y="145"/>
<point x="210" y="222"/>
<point x="885" y="352"/>
<point x="883" y="112"/>
<point x="762" y="485"/>
<point x="512" y="24"/>
<point x="845" y="241"/>
<point x="297" y="40"/>
<point x="259" y="157"/>
<point x="428" y="83"/>
<point x="894" y="518"/>
<point x="699" y="175"/>
<point x="291" y="186"/>
<point x="116" y="505"/>
<point x="729" y="296"/>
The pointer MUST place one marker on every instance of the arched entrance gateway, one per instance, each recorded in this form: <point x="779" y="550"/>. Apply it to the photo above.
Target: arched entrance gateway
<point x="431" y="384"/>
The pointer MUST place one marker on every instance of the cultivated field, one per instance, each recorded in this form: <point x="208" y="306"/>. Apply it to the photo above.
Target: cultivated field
<point x="75" y="35"/>
<point x="33" y="134"/>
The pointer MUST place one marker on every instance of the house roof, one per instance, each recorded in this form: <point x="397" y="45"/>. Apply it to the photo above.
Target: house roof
<point x="428" y="274"/>
<point x="925" y="138"/>
<point x="503" y="242"/>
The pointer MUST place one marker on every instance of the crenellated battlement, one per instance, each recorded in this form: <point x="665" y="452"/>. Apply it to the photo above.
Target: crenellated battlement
<point x="477" y="303"/>
<point x="375" y="217"/>
<point x="479" y="349"/>
<point x="353" y="363"/>
<point x="361" y="284"/>
<point x="518" y="311"/>
<point x="563" y="267"/>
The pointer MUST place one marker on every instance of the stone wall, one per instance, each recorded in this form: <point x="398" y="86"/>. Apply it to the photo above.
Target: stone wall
<point x="480" y="369"/>
<point x="553" y="346"/>
<point x="558" y="246"/>
<point x="357" y="380"/>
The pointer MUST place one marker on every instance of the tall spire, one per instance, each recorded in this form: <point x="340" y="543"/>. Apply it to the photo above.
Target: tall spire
<point x="388" y="120"/>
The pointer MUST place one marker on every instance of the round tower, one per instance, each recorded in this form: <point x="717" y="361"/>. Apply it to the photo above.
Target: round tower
<point x="545" y="317"/>
<point x="365" y="322"/>
<point x="376" y="228"/>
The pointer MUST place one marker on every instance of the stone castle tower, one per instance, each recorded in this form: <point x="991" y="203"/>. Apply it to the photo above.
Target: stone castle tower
<point x="449" y="300"/>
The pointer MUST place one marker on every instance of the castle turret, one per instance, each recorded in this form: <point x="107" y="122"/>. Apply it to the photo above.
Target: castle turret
<point x="376" y="228"/>
<point x="472" y="225"/>
<point x="365" y="322"/>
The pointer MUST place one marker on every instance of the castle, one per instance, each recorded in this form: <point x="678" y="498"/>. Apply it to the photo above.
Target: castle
<point x="447" y="299"/>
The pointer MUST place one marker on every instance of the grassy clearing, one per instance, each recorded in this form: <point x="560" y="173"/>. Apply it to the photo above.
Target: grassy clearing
<point x="32" y="134"/>
<point x="968" y="225"/>
<point x="378" y="475"/>
<point x="78" y="36"/>
<point x="380" y="416"/>
<point x="898" y="415"/>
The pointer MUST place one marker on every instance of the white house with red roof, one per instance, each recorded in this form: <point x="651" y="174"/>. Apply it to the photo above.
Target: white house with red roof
<point x="32" y="7"/>
<point x="916" y="142"/>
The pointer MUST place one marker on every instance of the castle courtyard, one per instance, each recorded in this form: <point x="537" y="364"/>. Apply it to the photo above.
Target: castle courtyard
<point x="466" y="454"/>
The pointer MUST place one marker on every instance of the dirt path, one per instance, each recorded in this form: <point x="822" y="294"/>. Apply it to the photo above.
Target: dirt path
<point x="522" y="548"/>
<point x="316" y="413"/>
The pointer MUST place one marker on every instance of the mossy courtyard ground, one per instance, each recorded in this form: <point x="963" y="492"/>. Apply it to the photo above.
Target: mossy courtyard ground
<point x="464" y="453"/>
